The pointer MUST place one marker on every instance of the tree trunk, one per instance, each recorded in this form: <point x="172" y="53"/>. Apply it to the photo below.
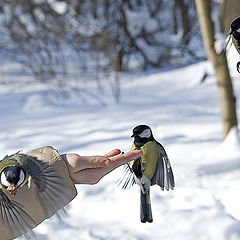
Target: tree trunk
<point x="186" y="23"/>
<point x="219" y="61"/>
<point x="118" y="61"/>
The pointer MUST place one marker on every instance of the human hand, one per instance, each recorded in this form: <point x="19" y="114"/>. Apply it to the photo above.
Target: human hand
<point x="90" y="169"/>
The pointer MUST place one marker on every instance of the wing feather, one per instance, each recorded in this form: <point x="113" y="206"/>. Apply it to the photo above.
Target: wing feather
<point x="127" y="179"/>
<point x="168" y="169"/>
<point x="51" y="187"/>
<point x="163" y="175"/>
<point x="15" y="218"/>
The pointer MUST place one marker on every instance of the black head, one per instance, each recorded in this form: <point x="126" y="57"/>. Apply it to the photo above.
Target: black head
<point x="142" y="134"/>
<point x="235" y="26"/>
<point x="12" y="176"/>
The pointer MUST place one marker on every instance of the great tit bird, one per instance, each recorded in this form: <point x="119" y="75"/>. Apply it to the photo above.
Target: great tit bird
<point x="16" y="171"/>
<point x="153" y="167"/>
<point x="235" y="33"/>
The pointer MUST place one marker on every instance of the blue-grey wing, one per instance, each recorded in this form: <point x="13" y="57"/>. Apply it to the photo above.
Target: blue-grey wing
<point x="169" y="177"/>
<point x="163" y="175"/>
<point x="15" y="218"/>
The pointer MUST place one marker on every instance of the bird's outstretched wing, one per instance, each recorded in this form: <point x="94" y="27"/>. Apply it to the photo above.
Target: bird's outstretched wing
<point x="163" y="175"/>
<point x="15" y="218"/>
<point x="127" y="179"/>
<point x="51" y="187"/>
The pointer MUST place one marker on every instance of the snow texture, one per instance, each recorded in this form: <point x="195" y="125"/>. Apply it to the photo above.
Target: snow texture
<point x="185" y="117"/>
<point x="220" y="43"/>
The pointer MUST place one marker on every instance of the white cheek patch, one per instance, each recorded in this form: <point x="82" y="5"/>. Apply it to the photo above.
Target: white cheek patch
<point x="145" y="134"/>
<point x="22" y="178"/>
<point x="4" y="181"/>
<point x="238" y="30"/>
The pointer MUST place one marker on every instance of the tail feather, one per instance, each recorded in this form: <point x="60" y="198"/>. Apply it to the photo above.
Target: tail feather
<point x="145" y="207"/>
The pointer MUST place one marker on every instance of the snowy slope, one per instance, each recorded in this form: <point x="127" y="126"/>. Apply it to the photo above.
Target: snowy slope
<point x="185" y="117"/>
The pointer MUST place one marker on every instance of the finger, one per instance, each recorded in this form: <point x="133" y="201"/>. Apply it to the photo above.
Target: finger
<point x="93" y="175"/>
<point x="113" y="153"/>
<point x="90" y="162"/>
<point x="121" y="159"/>
<point x="99" y="161"/>
<point x="76" y="163"/>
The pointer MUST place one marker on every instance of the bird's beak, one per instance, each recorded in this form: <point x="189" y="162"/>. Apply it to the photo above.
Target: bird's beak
<point x="12" y="190"/>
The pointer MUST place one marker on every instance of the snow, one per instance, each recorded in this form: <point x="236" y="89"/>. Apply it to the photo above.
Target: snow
<point x="185" y="117"/>
<point x="59" y="7"/>
<point x="220" y="42"/>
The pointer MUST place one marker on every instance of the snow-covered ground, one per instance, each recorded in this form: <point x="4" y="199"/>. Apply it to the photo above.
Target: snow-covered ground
<point x="185" y="117"/>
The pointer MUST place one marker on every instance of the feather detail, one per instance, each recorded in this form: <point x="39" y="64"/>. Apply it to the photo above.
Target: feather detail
<point x="166" y="175"/>
<point x="51" y="188"/>
<point x="127" y="180"/>
<point x="15" y="218"/>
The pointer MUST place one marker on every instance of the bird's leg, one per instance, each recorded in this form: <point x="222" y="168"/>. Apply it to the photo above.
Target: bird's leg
<point x="138" y="181"/>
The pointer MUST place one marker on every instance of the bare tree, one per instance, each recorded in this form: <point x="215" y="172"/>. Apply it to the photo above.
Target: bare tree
<point x="185" y="19"/>
<point x="106" y="36"/>
<point x="219" y="61"/>
<point x="139" y="30"/>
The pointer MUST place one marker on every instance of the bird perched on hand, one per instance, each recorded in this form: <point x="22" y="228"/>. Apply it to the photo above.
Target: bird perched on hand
<point x="235" y="33"/>
<point x="153" y="167"/>
<point x="18" y="170"/>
